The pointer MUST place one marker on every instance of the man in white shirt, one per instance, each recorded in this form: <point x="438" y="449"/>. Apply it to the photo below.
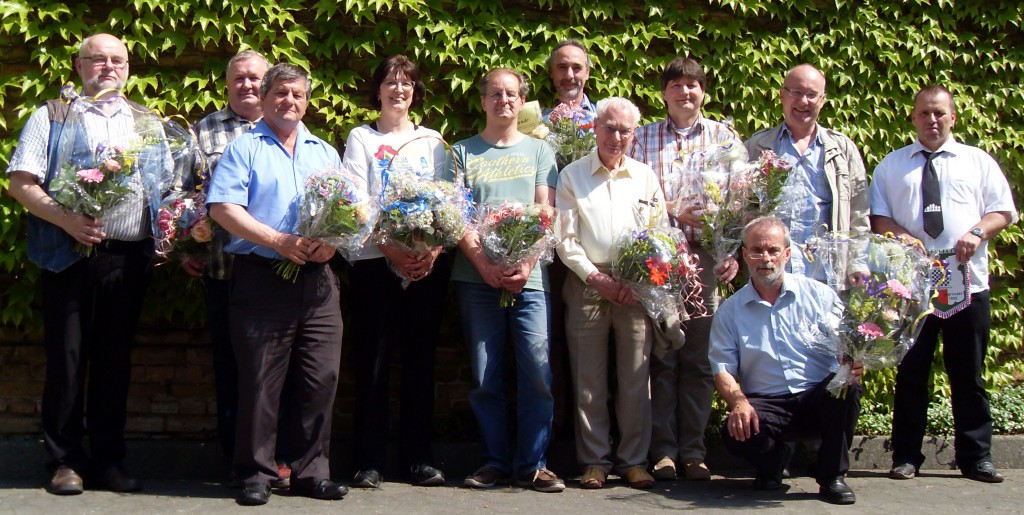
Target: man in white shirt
<point x="973" y="202"/>
<point x="599" y="197"/>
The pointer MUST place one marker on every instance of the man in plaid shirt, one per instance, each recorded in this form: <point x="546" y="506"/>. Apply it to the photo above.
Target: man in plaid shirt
<point x="682" y="386"/>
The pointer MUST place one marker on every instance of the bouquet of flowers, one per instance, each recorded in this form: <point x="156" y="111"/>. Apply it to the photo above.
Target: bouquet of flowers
<point x="134" y="162"/>
<point x="185" y="228"/>
<point x="570" y="132"/>
<point x="335" y="211"/>
<point x="511" y="233"/>
<point x="770" y="180"/>
<point x="659" y="269"/>
<point x="725" y="199"/>
<point x="887" y="296"/>
<point x="418" y="213"/>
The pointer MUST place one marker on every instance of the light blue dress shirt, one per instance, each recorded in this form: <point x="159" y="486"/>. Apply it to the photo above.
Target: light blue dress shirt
<point x="816" y="210"/>
<point x="765" y="346"/>
<point x="257" y="173"/>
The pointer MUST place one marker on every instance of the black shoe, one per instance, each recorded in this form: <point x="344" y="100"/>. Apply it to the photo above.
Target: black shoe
<point x="837" y="492"/>
<point x="985" y="472"/>
<point x="253" y="494"/>
<point x="115" y="480"/>
<point x="425" y="475"/>
<point x="903" y="471"/>
<point x="773" y="467"/>
<point x="323" y="489"/>
<point x="367" y="479"/>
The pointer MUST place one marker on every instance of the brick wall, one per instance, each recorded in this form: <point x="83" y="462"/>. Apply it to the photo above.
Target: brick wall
<point x="172" y="390"/>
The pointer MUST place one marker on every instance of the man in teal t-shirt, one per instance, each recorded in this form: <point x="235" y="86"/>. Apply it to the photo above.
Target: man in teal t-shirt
<point x="501" y="164"/>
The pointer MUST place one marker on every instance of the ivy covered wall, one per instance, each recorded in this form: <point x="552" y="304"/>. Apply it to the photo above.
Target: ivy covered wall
<point x="875" y="54"/>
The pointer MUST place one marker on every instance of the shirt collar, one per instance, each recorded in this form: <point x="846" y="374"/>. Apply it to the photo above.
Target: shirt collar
<point x="786" y="133"/>
<point x="228" y="114"/>
<point x="596" y="166"/>
<point x="951" y="146"/>
<point x="263" y="130"/>
<point x="699" y="126"/>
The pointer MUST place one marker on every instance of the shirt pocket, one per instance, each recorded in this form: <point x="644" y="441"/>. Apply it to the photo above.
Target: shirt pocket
<point x="960" y="192"/>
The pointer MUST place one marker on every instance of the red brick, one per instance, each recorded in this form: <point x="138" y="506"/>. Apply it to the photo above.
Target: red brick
<point x="16" y="371"/>
<point x="192" y="390"/>
<point x="192" y="407"/>
<point x="23" y="406"/>
<point x="159" y="356"/>
<point x="165" y="408"/>
<point x="161" y="374"/>
<point x="150" y="424"/>
<point x="191" y="424"/>
<point x="33" y="354"/>
<point x="19" y="424"/>
<point x="26" y="388"/>
<point x="199" y="356"/>
<point x="189" y="374"/>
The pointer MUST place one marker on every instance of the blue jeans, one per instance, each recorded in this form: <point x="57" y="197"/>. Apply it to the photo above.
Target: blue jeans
<point x="487" y="328"/>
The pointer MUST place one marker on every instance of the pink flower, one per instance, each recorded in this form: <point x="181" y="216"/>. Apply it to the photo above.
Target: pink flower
<point x="112" y="165"/>
<point x="870" y="331"/>
<point x="93" y="175"/>
<point x="898" y="289"/>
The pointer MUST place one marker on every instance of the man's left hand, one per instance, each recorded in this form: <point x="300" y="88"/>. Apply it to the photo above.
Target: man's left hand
<point x="320" y="252"/>
<point x="727" y="271"/>
<point x="966" y="246"/>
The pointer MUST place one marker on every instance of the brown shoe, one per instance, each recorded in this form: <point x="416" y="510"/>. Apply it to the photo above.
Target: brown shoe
<point x="593" y="478"/>
<point x="638" y="478"/>
<point x="694" y="469"/>
<point x="65" y="481"/>
<point x="542" y="480"/>
<point x="664" y="470"/>
<point x="486" y="477"/>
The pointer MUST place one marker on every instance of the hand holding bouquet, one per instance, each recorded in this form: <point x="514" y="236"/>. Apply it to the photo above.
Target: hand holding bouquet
<point x="334" y="211"/>
<point x="887" y="296"/>
<point x="658" y="267"/>
<point x="570" y="133"/>
<point x="420" y="213"/>
<point x="512" y="233"/>
<point x="185" y="228"/>
<point x="770" y="178"/>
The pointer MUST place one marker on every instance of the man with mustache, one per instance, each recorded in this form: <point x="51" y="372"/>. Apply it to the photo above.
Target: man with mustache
<point x="970" y="203"/>
<point x="244" y="74"/>
<point x="773" y="382"/>
<point x="91" y="304"/>
<point x="280" y="327"/>
<point x="832" y="181"/>
<point x="569" y="68"/>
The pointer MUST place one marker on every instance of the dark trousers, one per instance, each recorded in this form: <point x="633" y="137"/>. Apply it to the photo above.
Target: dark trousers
<point x="964" y="344"/>
<point x="813" y="413"/>
<point x="90" y="313"/>
<point x="384" y="318"/>
<point x="281" y="329"/>
<point x="225" y="371"/>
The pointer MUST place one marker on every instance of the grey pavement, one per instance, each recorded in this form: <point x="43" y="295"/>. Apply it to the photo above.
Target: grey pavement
<point x="933" y="493"/>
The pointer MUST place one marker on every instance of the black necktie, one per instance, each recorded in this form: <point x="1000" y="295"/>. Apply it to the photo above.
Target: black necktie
<point x="930" y="198"/>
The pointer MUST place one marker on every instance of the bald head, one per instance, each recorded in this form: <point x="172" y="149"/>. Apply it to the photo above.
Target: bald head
<point x="102" y="63"/>
<point x="802" y="95"/>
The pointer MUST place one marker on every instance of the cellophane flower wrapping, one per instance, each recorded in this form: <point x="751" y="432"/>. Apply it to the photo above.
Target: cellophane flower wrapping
<point x="657" y="265"/>
<point x="771" y="180"/>
<point x="99" y="175"/>
<point x="570" y="132"/>
<point x="334" y="209"/>
<point x="886" y="297"/>
<point x="724" y="193"/>
<point x="185" y="227"/>
<point x="513" y="232"/>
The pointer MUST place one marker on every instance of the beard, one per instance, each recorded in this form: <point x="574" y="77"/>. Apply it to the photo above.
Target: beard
<point x="94" y="83"/>
<point x="572" y="90"/>
<point x="773" y="278"/>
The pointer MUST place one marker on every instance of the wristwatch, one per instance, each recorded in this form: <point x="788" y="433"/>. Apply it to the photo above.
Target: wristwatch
<point x="978" y="232"/>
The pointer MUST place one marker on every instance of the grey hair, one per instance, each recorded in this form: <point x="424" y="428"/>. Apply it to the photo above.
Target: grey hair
<point x="284" y="72"/>
<point x="770" y="221"/>
<point x="524" y="86"/>
<point x="617" y="104"/>
<point x="246" y="55"/>
<point x="564" y="43"/>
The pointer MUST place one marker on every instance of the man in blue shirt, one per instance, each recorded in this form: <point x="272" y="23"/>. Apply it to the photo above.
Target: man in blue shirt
<point x="758" y="341"/>
<point x="279" y="327"/>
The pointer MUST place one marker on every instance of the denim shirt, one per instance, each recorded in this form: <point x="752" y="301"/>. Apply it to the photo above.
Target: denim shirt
<point x="815" y="214"/>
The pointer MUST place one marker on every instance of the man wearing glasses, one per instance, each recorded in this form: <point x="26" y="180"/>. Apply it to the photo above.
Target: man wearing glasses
<point x="833" y="184"/>
<point x="91" y="304"/>
<point x="502" y="164"/>
<point x="773" y="383"/>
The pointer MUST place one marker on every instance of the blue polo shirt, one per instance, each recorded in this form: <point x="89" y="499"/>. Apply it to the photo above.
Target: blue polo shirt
<point x="257" y="173"/>
<point x="765" y="346"/>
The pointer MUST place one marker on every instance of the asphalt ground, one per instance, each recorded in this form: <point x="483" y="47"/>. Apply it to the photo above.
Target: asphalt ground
<point x="934" y="492"/>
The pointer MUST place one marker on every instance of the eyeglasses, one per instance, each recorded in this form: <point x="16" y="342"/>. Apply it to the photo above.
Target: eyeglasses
<point x="811" y="96"/>
<point x="618" y="131"/>
<point x="770" y="253"/>
<point x="117" y="63"/>
<point x="396" y="84"/>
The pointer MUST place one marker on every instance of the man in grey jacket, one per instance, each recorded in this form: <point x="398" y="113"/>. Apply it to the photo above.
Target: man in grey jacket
<point x="833" y="184"/>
